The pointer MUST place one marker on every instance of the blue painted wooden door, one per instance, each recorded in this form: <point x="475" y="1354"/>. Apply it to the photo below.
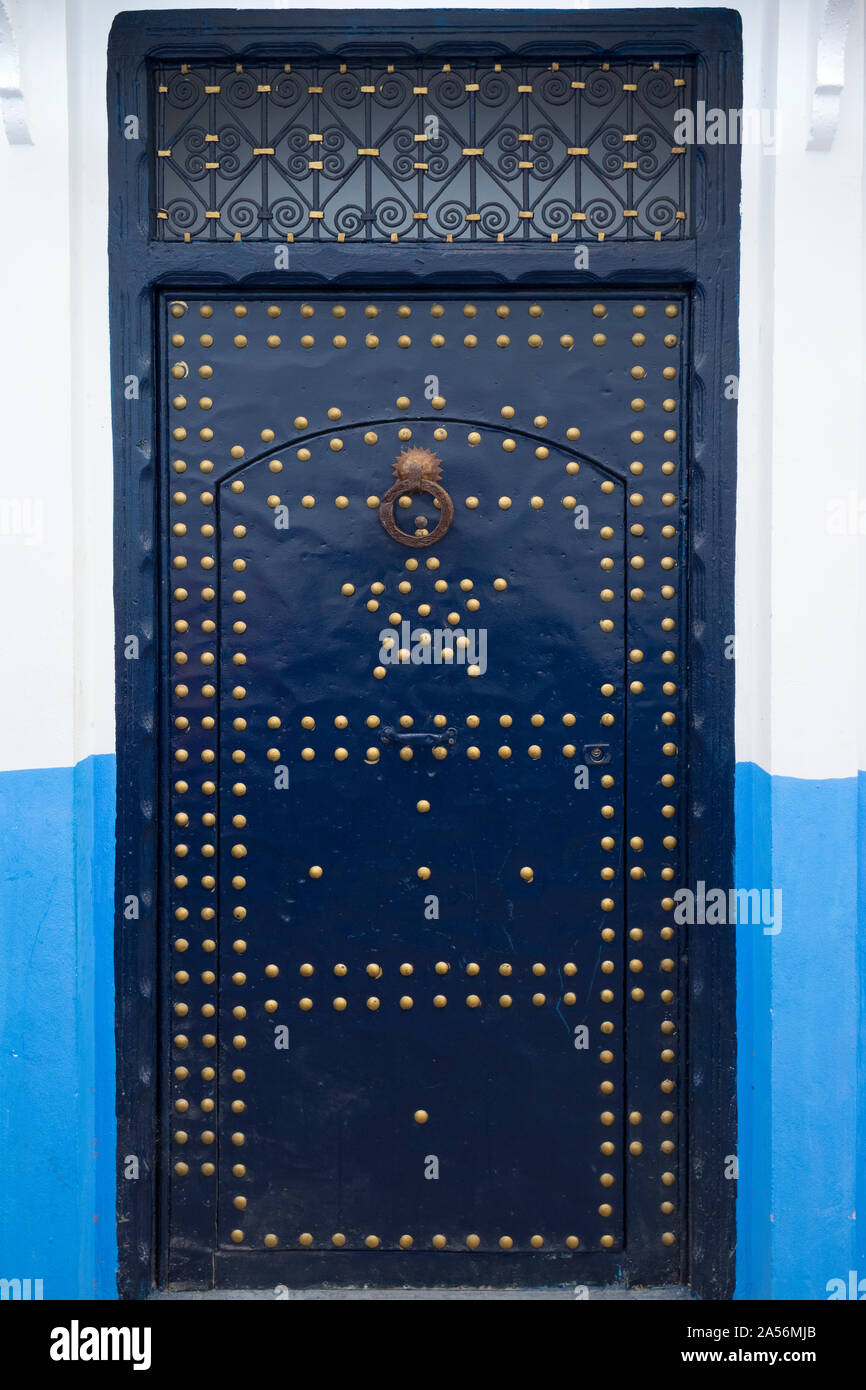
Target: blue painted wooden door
<point x="423" y="800"/>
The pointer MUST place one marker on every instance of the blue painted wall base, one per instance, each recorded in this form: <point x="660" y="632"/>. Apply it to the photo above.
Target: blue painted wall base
<point x="801" y="996"/>
<point x="57" y="1185"/>
<point x="801" y="1077"/>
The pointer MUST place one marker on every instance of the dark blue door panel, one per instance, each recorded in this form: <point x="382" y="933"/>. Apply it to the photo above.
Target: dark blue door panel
<point x="424" y="799"/>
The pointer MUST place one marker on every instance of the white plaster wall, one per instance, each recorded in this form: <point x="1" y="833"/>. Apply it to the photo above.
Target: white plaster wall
<point x="799" y="616"/>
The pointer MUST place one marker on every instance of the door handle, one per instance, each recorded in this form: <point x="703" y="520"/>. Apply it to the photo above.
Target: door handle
<point x="417" y="471"/>
<point x="423" y="739"/>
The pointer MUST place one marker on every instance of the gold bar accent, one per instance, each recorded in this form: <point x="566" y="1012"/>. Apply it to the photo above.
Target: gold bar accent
<point x="472" y="86"/>
<point x="420" y="166"/>
<point x="290" y="236"/>
<point x="554" y="236"/>
<point x="628" y="137"/>
<point x="314" y="91"/>
<point x="341" y="236"/>
<point x="420" y="91"/>
<point x="529" y="215"/>
<point x="605" y="67"/>
<point x="419" y="216"/>
<point x="449" y="236"/>
<point x="578" y="149"/>
<point x="497" y="67"/>
<point x="315" y="164"/>
<point x="679" y="81"/>
<point x="629" y="86"/>
<point x="313" y="138"/>
<point x="343" y="67"/>
<point x="474" y="151"/>
<point x="263" y="87"/>
<point x="524" y="87"/>
<point x="368" y="89"/>
<point x="656" y="67"/>
<point x="187" y="237"/>
<point x="579" y="85"/>
<point x="184" y="67"/>
<point x="601" y="236"/>
<point x="473" y="217"/>
<point x="629" y="164"/>
<point x="213" y="91"/>
<point x="390" y="67"/>
<point x="500" y="236"/>
<point x="393" y="236"/>
<point x="162" y="216"/>
<point x="239" y="67"/>
<point x="446" y="67"/>
<point x="629" y="212"/>
<point x="162" y="88"/>
<point x="370" y="151"/>
<point x="236" y="237"/>
<point x="680" y="217"/>
<point x="316" y="216"/>
<point x="554" y="67"/>
<point x="578" y="217"/>
<point x="678" y="149"/>
<point x="211" y="139"/>
<point x="287" y="67"/>
<point x="265" y="149"/>
<point x="214" y="215"/>
<point x="419" y="138"/>
<point x="164" y="154"/>
<point x="212" y="164"/>
<point x="657" y="236"/>
<point x="525" y="164"/>
<point x="525" y="137"/>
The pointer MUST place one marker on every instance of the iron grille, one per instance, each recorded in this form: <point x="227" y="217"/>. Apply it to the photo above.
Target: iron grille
<point x="415" y="151"/>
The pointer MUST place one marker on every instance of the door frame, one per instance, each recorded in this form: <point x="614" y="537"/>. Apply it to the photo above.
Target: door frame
<point x="704" y="266"/>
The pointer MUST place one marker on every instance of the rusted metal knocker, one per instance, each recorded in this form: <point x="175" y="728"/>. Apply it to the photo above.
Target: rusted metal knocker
<point x="417" y="470"/>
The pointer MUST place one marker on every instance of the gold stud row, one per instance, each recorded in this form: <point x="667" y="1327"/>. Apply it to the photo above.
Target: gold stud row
<point x="442" y="967"/>
<point x="440" y="751"/>
<point x="406" y="1242"/>
<point x="440" y="1001"/>
<point x="407" y="721"/>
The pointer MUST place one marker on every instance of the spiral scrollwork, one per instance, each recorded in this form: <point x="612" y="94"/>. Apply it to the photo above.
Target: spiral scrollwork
<point x="374" y="146"/>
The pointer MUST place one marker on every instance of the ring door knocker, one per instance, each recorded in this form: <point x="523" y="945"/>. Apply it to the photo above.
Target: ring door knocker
<point x="416" y="471"/>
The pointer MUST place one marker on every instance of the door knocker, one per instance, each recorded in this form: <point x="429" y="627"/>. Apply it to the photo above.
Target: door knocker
<point x="417" y="470"/>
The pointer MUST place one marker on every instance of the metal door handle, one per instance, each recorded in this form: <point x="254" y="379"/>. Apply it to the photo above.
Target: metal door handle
<point x="417" y="470"/>
<point x="423" y="739"/>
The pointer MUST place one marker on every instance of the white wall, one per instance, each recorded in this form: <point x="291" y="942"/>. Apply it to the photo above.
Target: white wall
<point x="801" y="427"/>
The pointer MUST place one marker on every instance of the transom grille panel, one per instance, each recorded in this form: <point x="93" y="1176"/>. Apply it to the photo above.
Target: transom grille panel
<point x="462" y="152"/>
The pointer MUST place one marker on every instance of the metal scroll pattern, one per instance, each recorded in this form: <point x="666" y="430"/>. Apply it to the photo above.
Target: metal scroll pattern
<point x="512" y="153"/>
